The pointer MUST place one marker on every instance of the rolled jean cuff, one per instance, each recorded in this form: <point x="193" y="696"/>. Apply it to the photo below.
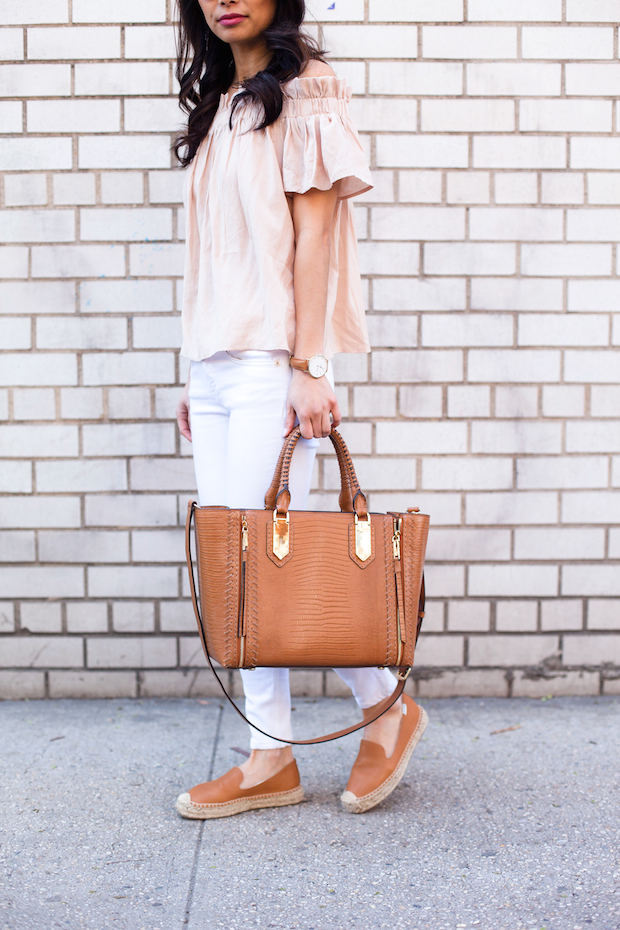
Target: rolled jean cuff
<point x="370" y="686"/>
<point x="259" y="741"/>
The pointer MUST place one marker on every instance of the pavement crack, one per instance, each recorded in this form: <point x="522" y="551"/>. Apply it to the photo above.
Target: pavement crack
<point x="192" y="877"/>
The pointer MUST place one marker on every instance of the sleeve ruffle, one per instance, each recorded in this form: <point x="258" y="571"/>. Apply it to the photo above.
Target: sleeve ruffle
<point x="320" y="149"/>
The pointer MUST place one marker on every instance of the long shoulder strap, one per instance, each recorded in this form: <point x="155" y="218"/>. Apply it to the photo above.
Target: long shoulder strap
<point x="379" y="709"/>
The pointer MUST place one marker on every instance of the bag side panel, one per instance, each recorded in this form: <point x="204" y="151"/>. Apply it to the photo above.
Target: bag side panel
<point x="414" y="534"/>
<point x="218" y="553"/>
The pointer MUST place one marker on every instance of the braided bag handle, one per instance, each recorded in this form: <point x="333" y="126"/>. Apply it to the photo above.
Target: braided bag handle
<point x="351" y="498"/>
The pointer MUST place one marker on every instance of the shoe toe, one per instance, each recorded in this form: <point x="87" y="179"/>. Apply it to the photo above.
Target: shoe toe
<point x="184" y="805"/>
<point x="351" y="803"/>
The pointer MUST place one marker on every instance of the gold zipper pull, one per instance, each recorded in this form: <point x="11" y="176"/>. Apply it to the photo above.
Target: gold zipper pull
<point x="244" y="533"/>
<point x="396" y="539"/>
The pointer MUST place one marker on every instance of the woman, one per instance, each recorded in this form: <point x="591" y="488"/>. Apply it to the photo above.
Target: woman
<point x="271" y="275"/>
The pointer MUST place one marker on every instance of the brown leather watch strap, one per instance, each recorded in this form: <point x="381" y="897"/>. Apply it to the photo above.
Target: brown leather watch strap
<point x="378" y="711"/>
<point x="301" y="364"/>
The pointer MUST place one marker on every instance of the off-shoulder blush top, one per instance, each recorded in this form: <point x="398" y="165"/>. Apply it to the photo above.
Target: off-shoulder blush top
<point x="240" y="249"/>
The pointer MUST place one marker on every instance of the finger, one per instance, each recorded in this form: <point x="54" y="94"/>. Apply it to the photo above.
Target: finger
<point x="307" y="427"/>
<point x="289" y="421"/>
<point x="336" y="414"/>
<point x="326" y="425"/>
<point x="184" y="428"/>
<point x="317" y="425"/>
<point x="183" y="423"/>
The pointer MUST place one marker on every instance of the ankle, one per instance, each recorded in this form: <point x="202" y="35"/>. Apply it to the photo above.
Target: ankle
<point x="265" y="763"/>
<point x="395" y="709"/>
<point x="282" y="755"/>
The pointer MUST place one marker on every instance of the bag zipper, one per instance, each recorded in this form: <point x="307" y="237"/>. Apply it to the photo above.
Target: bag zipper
<point x="397" y="568"/>
<point x="241" y="614"/>
<point x="396" y="538"/>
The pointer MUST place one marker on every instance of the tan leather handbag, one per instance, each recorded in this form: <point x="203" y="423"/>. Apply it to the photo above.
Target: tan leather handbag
<point x="305" y="589"/>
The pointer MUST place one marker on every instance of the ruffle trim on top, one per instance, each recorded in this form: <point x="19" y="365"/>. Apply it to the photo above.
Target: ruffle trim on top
<point x="321" y="145"/>
<point x="307" y="95"/>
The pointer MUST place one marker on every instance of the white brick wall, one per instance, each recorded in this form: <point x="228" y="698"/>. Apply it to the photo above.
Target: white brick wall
<point x="492" y="272"/>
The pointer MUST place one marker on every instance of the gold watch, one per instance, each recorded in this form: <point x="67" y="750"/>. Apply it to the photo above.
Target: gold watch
<point x="316" y="365"/>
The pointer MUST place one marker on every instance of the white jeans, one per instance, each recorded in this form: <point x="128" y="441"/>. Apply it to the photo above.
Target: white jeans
<point x="237" y="409"/>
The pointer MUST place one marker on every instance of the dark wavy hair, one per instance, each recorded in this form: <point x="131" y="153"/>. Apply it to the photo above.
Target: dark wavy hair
<point x="205" y="69"/>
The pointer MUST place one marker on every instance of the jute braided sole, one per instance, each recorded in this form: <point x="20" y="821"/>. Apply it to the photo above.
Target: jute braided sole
<point x="355" y="805"/>
<point x="186" y="807"/>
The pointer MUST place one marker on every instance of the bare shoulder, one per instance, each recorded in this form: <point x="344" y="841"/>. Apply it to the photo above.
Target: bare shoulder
<point x="314" y="68"/>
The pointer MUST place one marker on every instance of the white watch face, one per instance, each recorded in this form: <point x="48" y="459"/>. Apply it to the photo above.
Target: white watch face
<point x="317" y="366"/>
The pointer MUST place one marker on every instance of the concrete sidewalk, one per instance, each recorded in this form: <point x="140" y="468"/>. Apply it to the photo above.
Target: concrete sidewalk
<point x="489" y="830"/>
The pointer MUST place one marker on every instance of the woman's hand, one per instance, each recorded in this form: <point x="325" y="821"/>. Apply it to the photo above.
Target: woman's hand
<point x="312" y="400"/>
<point x="182" y="413"/>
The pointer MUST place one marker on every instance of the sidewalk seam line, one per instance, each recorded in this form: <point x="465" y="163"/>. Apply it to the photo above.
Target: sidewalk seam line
<point x="192" y="877"/>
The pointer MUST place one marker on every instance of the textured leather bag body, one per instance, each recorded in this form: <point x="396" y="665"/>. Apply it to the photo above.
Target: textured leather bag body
<point x="305" y="589"/>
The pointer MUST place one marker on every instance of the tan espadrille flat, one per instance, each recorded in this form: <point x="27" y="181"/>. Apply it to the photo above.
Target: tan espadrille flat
<point x="374" y="776"/>
<point x="225" y="797"/>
